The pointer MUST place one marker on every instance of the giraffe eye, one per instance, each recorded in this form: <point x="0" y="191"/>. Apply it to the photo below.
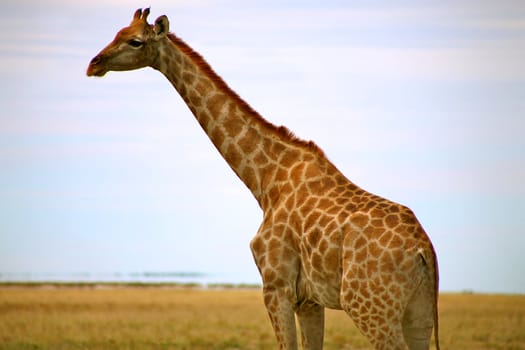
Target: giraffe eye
<point x="135" y="43"/>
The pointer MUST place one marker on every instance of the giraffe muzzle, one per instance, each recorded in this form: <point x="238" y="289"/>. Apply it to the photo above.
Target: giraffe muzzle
<point x="95" y="68"/>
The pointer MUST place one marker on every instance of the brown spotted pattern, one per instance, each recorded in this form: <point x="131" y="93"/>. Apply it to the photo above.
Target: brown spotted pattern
<point x="323" y="242"/>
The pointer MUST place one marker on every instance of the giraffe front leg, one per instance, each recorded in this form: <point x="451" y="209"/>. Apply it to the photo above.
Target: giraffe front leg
<point x="311" y="321"/>
<point x="279" y="268"/>
<point x="280" y="310"/>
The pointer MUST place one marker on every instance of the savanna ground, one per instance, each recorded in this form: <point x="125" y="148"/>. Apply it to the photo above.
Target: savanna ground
<point x="155" y="317"/>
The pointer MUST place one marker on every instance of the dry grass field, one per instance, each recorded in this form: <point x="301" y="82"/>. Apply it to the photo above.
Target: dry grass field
<point x="128" y="317"/>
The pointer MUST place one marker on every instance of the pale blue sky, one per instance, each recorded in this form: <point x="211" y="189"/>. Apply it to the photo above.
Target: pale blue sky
<point x="420" y="102"/>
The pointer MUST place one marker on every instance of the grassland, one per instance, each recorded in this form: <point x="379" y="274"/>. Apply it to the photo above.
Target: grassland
<point x="132" y="317"/>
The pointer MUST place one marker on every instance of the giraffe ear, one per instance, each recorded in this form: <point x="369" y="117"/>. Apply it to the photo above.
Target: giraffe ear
<point x="162" y="26"/>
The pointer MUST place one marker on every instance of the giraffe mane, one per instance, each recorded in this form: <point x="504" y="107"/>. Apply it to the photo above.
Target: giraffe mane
<point x="281" y="131"/>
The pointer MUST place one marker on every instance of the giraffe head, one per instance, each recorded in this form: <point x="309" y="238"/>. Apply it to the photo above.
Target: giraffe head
<point x="134" y="46"/>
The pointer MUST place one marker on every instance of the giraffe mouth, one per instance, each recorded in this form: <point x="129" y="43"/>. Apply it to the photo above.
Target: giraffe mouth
<point x="95" y="68"/>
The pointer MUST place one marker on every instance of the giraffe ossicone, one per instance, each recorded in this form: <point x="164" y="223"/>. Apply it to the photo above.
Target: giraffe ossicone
<point x="323" y="242"/>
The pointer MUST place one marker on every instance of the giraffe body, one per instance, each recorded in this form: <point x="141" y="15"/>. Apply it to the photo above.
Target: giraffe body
<point x="323" y="242"/>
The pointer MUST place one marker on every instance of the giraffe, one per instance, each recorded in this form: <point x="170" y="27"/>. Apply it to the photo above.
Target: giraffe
<point x="324" y="242"/>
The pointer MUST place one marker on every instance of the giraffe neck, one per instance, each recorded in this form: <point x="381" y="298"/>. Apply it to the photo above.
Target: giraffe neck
<point x="254" y="148"/>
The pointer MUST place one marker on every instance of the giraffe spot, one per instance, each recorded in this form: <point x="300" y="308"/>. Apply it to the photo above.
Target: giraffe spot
<point x="333" y="231"/>
<point x="312" y="171"/>
<point x="370" y="204"/>
<point x="386" y="279"/>
<point x="366" y="294"/>
<point x="408" y="217"/>
<point x="258" y="245"/>
<point x="385" y="238"/>
<point x="281" y="174"/>
<point x="354" y="314"/>
<point x="388" y="301"/>
<point x="342" y="217"/>
<point x="377" y="301"/>
<point x="390" y="313"/>
<point x="188" y="78"/>
<point x="260" y="158"/>
<point x="300" y="199"/>
<point x="356" y="200"/>
<point x="289" y="157"/>
<point x="374" y="249"/>
<point x="341" y="200"/>
<point x="350" y="207"/>
<point x="348" y="254"/>
<point x="232" y="124"/>
<point x="287" y="252"/>
<point x="290" y="239"/>
<point x="290" y="203"/>
<point x="361" y="273"/>
<point x="274" y="243"/>
<point x="194" y="98"/>
<point x="324" y="204"/>
<point x="332" y="259"/>
<point x="233" y="156"/>
<point x="248" y="143"/>
<point x="215" y="104"/>
<point x="294" y="219"/>
<point x="395" y="290"/>
<point x="249" y="177"/>
<point x="372" y="267"/>
<point x="313" y="220"/>
<point x="269" y="276"/>
<point x="387" y="263"/>
<point x="273" y="258"/>
<point x="360" y="243"/>
<point x="399" y="256"/>
<point x="329" y="182"/>
<point x="356" y="191"/>
<point x="368" y="231"/>
<point x="315" y="186"/>
<point x="360" y="220"/>
<point x="274" y="193"/>
<point x="334" y="210"/>
<point x="310" y="203"/>
<point x="325" y="221"/>
<point x="392" y="220"/>
<point x="378" y="213"/>
<point x="281" y="215"/>
<point x="277" y="148"/>
<point x="296" y="173"/>
<point x="396" y="242"/>
<point x="183" y="91"/>
<point x="317" y="261"/>
<point x="278" y="233"/>
<point x="266" y="234"/>
<point x="204" y="119"/>
<point x="217" y="137"/>
<point x="189" y="65"/>
<point x="354" y="284"/>
<point x="203" y="86"/>
<point x="314" y="237"/>
<point x="323" y="246"/>
<point x="268" y="298"/>
<point x="377" y="222"/>
<point x="268" y="172"/>
<point x="412" y="230"/>
<point x="394" y="209"/>
<point x="363" y="325"/>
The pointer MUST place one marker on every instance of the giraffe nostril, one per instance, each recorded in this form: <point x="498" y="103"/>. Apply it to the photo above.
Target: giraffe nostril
<point x="96" y="60"/>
